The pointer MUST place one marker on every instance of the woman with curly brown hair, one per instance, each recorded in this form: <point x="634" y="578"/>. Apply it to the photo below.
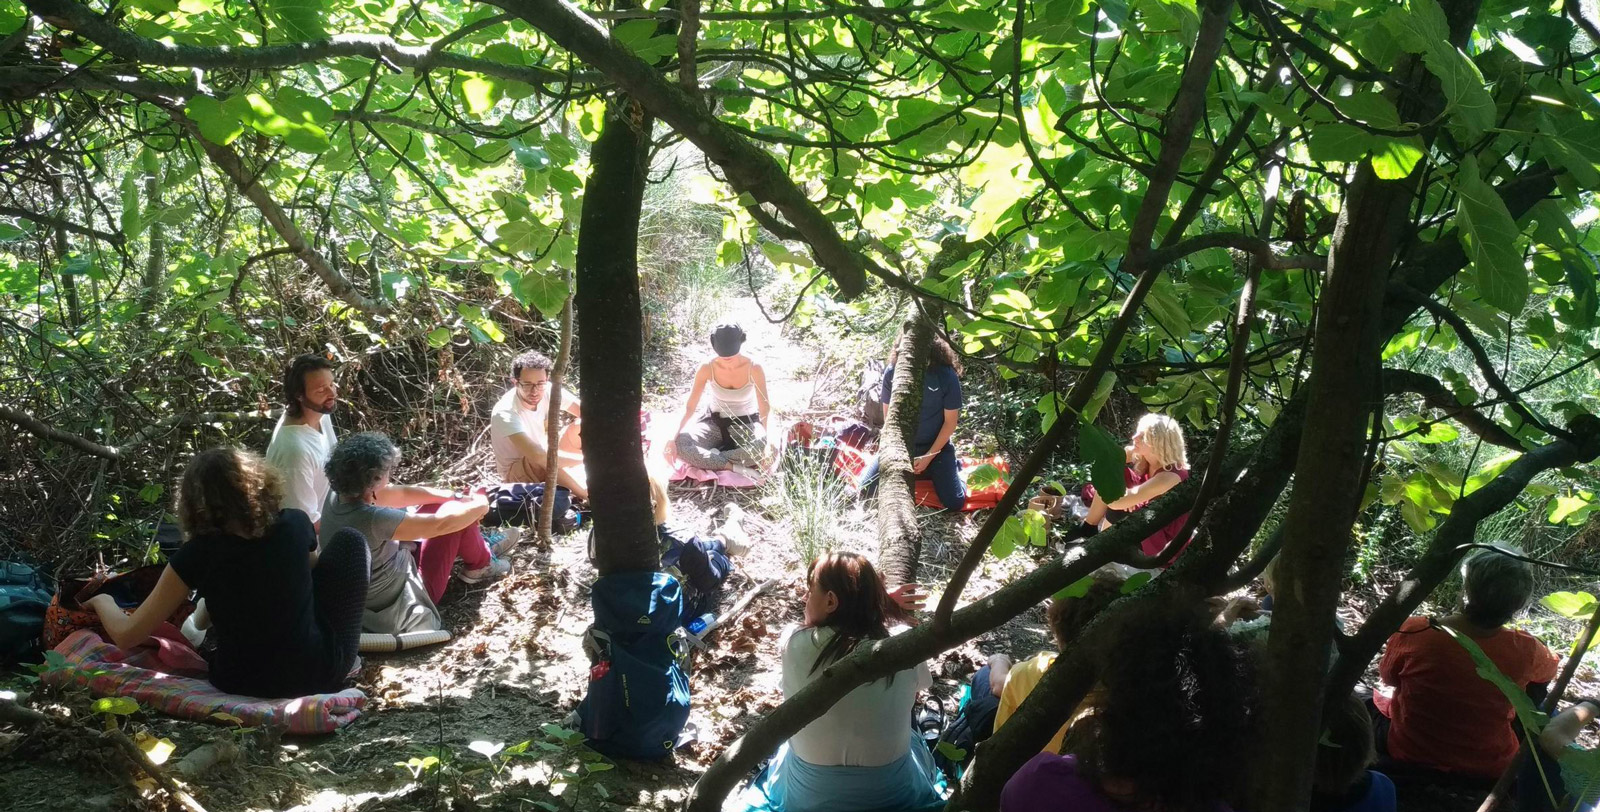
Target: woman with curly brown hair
<point x="287" y="620"/>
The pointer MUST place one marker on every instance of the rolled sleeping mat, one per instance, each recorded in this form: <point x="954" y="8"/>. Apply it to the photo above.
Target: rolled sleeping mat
<point x="402" y="641"/>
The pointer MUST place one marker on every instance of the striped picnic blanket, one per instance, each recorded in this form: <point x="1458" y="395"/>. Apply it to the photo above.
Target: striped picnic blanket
<point x="97" y="665"/>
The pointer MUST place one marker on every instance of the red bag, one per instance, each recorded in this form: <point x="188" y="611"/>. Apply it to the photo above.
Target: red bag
<point x="67" y="614"/>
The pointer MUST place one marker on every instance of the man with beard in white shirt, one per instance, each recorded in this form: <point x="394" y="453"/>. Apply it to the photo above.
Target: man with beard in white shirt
<point x="517" y="428"/>
<point x="304" y="438"/>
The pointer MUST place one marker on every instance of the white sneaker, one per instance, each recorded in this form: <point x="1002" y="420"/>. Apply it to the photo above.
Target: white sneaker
<point x="734" y="537"/>
<point x="498" y="568"/>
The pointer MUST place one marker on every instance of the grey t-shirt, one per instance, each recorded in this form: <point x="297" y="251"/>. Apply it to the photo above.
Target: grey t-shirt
<point x="397" y="599"/>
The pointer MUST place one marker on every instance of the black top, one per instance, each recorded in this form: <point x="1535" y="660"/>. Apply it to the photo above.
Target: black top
<point x="258" y="591"/>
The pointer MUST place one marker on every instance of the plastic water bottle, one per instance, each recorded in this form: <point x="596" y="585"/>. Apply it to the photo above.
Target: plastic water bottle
<point x="700" y="623"/>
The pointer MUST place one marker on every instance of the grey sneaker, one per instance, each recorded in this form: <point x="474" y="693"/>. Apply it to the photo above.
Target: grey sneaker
<point x="503" y="540"/>
<point x="498" y="568"/>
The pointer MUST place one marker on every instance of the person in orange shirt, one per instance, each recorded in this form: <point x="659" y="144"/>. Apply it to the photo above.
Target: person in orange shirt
<point x="1442" y="716"/>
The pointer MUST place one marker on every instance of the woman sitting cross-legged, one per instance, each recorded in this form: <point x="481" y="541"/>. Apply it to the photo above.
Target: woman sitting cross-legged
<point x="286" y="619"/>
<point x="730" y="433"/>
<point x="1442" y="716"/>
<point x="1170" y="732"/>
<point x="863" y="753"/>
<point x="1157" y="463"/>
<point x="402" y="597"/>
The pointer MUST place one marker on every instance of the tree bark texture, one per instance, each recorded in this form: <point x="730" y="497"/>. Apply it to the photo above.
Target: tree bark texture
<point x="899" y="536"/>
<point x="1342" y="389"/>
<point x="611" y="343"/>
<point x="558" y="375"/>
<point x="155" y="263"/>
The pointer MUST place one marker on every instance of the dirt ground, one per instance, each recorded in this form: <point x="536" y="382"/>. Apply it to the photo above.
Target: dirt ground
<point x="515" y="670"/>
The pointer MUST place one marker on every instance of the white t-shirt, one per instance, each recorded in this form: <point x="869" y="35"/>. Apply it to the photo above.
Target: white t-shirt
<point x="869" y="727"/>
<point x="511" y="417"/>
<point x="299" y="452"/>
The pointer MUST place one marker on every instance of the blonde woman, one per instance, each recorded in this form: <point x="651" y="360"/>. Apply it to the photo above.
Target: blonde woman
<point x="1157" y="463"/>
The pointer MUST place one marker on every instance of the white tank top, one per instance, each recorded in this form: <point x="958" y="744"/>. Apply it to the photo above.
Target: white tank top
<point x="733" y="402"/>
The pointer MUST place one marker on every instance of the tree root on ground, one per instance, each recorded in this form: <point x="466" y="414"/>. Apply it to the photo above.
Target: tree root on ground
<point x="13" y="713"/>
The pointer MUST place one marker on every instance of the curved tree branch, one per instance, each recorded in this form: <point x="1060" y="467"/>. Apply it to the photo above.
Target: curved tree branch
<point x="749" y="169"/>
<point x="1438" y="396"/>
<point x="61" y="223"/>
<point x="1446" y="550"/>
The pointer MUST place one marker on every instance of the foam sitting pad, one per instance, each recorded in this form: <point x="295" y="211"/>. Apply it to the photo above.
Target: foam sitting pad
<point x="851" y="464"/>
<point x="683" y="472"/>
<point x="379" y="643"/>
<point x="976" y="500"/>
<point x="679" y="471"/>
<point x="96" y="665"/>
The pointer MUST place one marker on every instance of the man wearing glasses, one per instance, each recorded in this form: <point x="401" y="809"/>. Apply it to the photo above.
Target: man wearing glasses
<point x="304" y="437"/>
<point x="517" y="428"/>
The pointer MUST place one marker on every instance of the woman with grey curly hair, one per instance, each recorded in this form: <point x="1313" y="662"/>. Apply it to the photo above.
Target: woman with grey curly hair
<point x="405" y="590"/>
<point x="1442" y="716"/>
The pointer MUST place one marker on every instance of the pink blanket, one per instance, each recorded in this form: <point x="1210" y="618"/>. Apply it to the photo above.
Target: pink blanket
<point x="98" y="666"/>
<point x="682" y="471"/>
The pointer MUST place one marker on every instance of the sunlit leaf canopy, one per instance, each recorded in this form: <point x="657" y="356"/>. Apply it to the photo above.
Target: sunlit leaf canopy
<point x="988" y="157"/>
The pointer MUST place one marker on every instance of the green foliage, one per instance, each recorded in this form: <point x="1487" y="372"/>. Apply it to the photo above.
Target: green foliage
<point x="1107" y="460"/>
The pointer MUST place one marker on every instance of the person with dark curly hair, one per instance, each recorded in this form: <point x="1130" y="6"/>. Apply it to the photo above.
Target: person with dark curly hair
<point x="863" y="752"/>
<point x="405" y="590"/>
<point x="933" y="454"/>
<point x="286" y="618"/>
<point x="1171" y="732"/>
<point x="303" y="438"/>
<point x="518" y="428"/>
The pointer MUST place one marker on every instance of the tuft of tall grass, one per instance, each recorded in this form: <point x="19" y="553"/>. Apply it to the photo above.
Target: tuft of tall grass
<point x="813" y="503"/>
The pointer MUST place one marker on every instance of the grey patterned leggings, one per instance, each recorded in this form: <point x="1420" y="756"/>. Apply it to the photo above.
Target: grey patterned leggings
<point x="717" y="443"/>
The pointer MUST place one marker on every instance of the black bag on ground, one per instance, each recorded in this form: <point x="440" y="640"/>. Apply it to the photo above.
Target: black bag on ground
<point x="703" y="564"/>
<point x="517" y="504"/>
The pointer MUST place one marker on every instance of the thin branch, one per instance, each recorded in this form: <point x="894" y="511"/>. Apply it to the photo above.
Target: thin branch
<point x="61" y="223"/>
<point x="1438" y="396"/>
<point x="1182" y="119"/>
<point x="39" y="428"/>
<point x="1486" y="366"/>
<point x="74" y="16"/>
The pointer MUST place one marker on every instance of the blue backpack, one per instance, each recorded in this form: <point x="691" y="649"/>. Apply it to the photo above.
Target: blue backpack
<point x="638" y="698"/>
<point x="23" y="601"/>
